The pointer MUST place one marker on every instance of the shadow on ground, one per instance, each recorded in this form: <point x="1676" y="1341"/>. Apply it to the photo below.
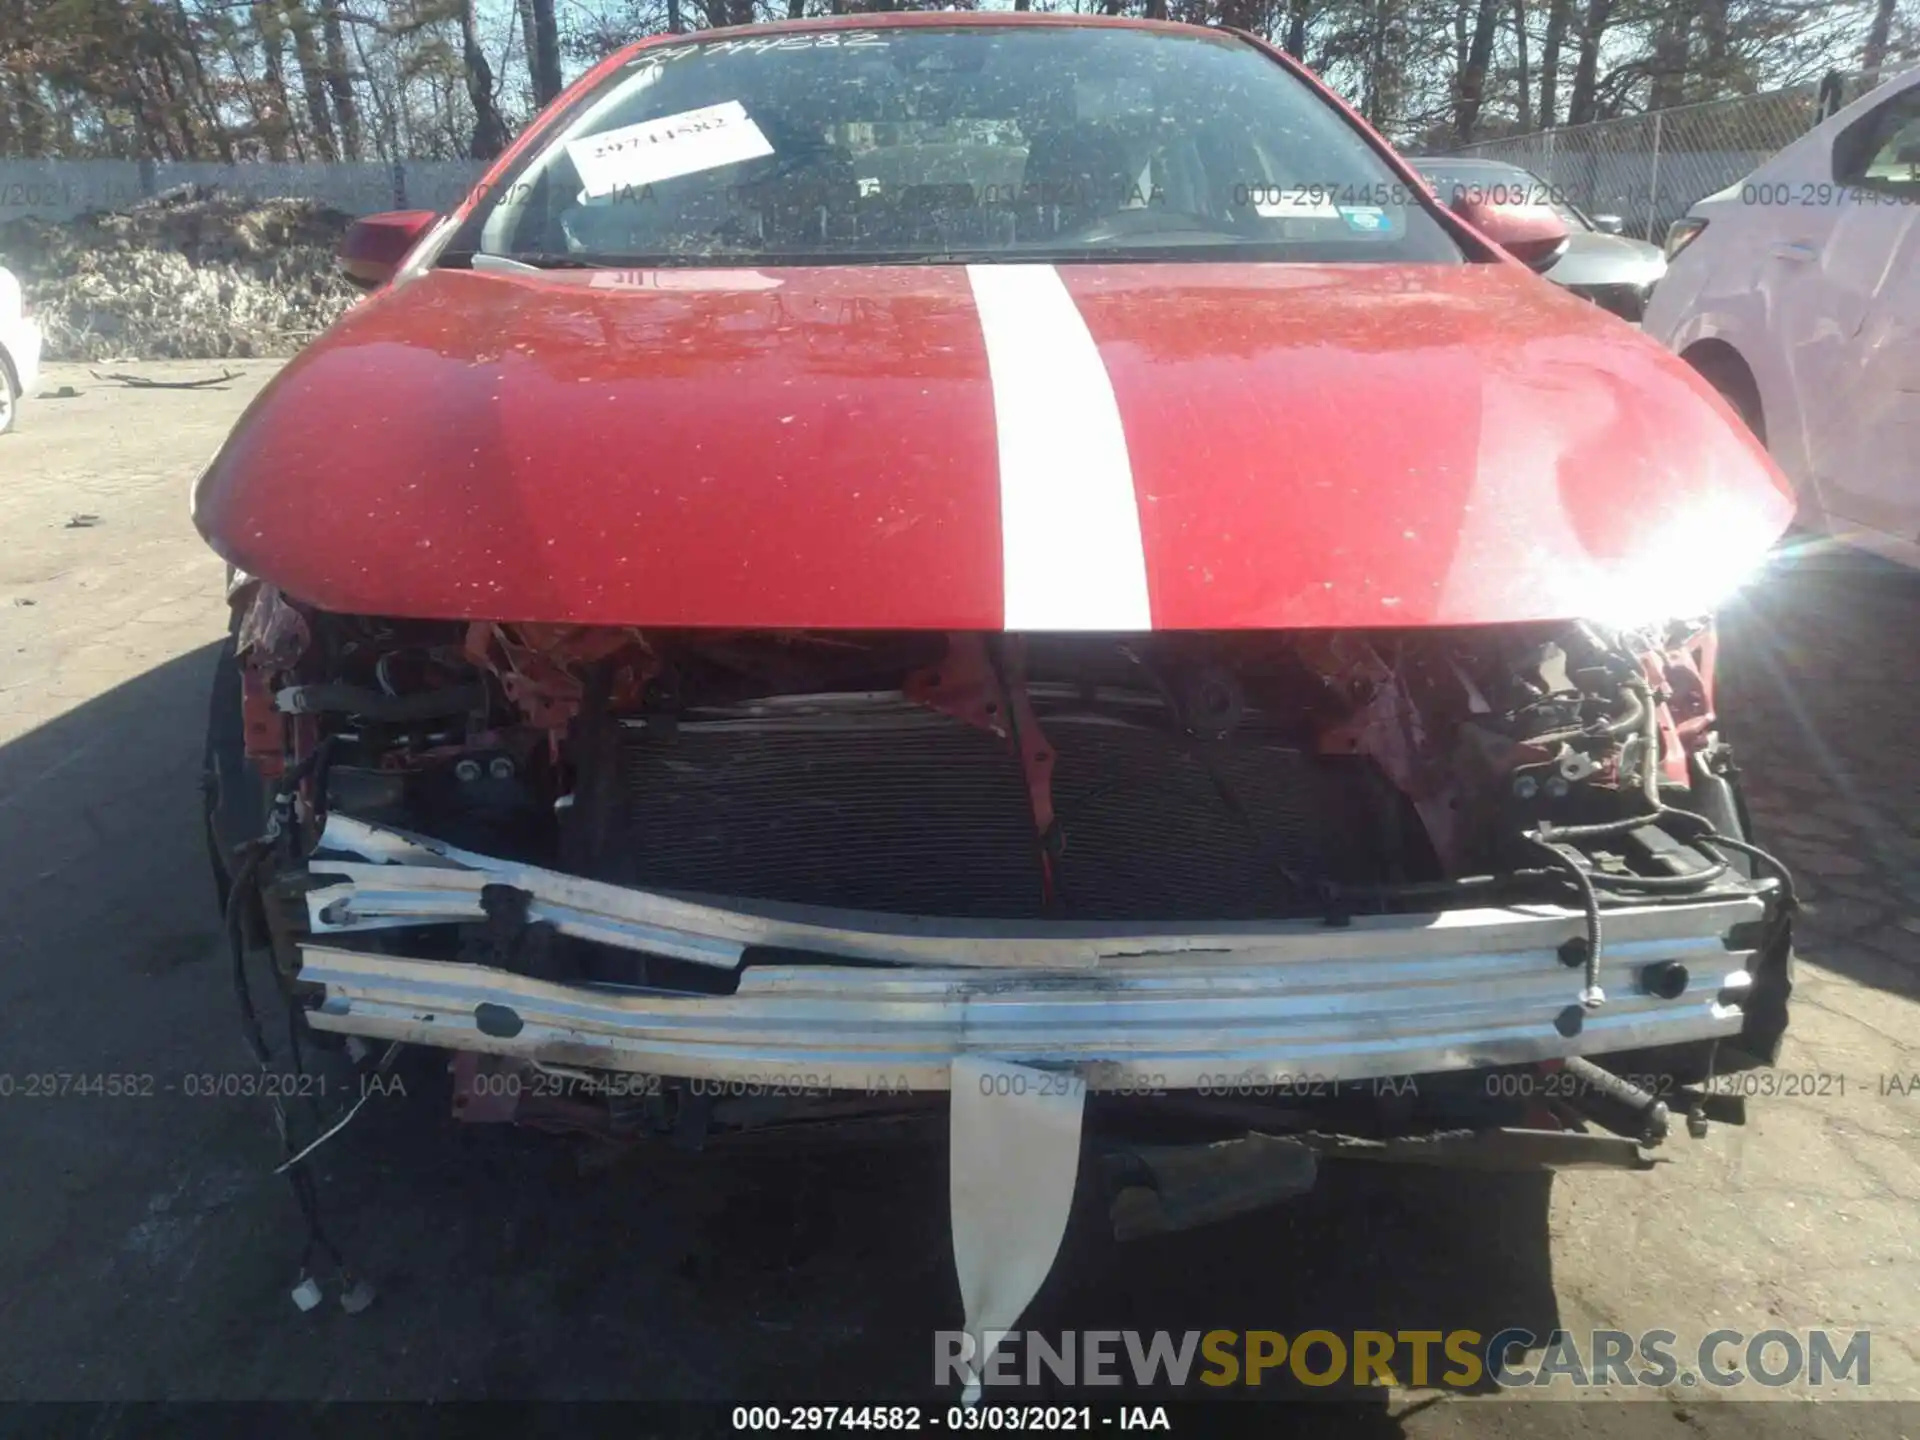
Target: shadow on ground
<point x="146" y="1252"/>
<point x="1817" y="697"/>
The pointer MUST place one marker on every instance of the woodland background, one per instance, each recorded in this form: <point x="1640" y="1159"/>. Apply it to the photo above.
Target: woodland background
<point x="323" y="80"/>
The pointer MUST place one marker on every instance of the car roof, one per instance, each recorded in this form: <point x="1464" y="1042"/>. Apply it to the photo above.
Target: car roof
<point x="933" y="20"/>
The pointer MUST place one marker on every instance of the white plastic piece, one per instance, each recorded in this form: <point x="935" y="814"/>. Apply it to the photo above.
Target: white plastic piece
<point x="307" y="1293"/>
<point x="1014" y="1156"/>
<point x="357" y="1049"/>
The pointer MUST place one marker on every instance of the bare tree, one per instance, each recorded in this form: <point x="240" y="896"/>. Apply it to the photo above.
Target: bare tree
<point x="1523" y="86"/>
<point x="1471" y="87"/>
<point x="1581" y="105"/>
<point x="1557" y="14"/>
<point x="489" y="130"/>
<point x="340" y="80"/>
<point x="1879" y="34"/>
<point x="544" y="54"/>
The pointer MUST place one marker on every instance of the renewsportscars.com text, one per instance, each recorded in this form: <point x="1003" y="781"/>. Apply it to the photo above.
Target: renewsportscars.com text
<point x="1417" y="1359"/>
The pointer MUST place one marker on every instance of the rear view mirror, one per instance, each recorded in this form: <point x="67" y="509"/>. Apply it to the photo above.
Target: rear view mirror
<point x="375" y="245"/>
<point x="1533" y="234"/>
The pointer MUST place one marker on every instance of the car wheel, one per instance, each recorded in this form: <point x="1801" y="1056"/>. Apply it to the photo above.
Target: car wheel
<point x="9" y="395"/>
<point x="1723" y="369"/>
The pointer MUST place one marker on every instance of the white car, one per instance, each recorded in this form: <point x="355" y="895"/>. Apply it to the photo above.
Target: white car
<point x="19" y="350"/>
<point x="1797" y="293"/>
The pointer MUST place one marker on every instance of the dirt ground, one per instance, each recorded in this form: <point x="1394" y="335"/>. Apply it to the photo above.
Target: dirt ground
<point x="146" y="1251"/>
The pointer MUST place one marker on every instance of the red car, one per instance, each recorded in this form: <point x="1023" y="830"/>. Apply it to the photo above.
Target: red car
<point x="1011" y="567"/>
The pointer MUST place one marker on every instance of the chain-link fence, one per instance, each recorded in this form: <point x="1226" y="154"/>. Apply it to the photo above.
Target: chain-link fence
<point x="1648" y="169"/>
<point x="61" y="189"/>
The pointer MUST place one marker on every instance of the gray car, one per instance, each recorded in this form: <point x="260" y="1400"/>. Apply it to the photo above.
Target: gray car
<point x="1615" y="272"/>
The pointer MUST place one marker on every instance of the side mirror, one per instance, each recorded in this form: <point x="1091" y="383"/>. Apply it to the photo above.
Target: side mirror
<point x="1609" y="224"/>
<point x="1533" y="234"/>
<point x="375" y="245"/>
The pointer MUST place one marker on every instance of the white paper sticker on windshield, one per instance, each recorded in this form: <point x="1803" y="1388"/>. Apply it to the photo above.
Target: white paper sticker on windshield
<point x="666" y="149"/>
<point x="1277" y="203"/>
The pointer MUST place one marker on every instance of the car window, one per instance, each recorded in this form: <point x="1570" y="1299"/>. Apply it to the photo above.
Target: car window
<point x="1881" y="150"/>
<point x="977" y="143"/>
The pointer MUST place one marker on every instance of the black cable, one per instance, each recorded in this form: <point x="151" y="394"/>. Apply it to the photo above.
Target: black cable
<point x="1696" y="880"/>
<point x="1789" y="899"/>
<point x="1619" y="725"/>
<point x="246" y="887"/>
<point x="1592" y="997"/>
<point x="242" y="887"/>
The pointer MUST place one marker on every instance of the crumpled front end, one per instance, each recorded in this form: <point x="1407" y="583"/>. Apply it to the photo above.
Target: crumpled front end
<point x="1226" y="904"/>
<point x="1255" y="880"/>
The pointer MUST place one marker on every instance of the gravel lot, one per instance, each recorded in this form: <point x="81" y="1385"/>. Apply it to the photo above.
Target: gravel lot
<point x="145" y="1250"/>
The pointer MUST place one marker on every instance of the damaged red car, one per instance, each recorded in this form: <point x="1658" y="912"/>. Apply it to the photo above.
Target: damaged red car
<point x="1017" y="570"/>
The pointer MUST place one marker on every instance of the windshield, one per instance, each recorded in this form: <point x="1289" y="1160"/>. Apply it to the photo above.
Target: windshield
<point x="1499" y="185"/>
<point x="971" y="143"/>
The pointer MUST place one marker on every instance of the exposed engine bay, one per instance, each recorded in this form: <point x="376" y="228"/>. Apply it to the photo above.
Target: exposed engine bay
<point x="668" y="820"/>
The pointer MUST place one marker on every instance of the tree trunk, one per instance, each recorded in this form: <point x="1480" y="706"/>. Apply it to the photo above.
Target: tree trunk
<point x="1297" y="13"/>
<point x="340" y="80"/>
<point x="1550" y="61"/>
<point x="675" y="24"/>
<point x="1382" y="94"/>
<point x="203" y="99"/>
<point x="277" y="121"/>
<point x="1878" y="35"/>
<point x="1523" y="86"/>
<point x="313" y="79"/>
<point x="1716" y="67"/>
<point x="523" y="11"/>
<point x="546" y="53"/>
<point x="1669" y="60"/>
<point x="1593" y="29"/>
<point x="387" y="138"/>
<point x="489" y="131"/>
<point x="1473" y="79"/>
<point x="176" y="127"/>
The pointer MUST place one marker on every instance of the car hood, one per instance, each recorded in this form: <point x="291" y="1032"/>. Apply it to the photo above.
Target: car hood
<point x="1170" y="446"/>
<point x="1593" y="257"/>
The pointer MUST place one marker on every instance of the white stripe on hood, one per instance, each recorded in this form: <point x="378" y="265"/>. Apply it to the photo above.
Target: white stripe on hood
<point x="1070" y="547"/>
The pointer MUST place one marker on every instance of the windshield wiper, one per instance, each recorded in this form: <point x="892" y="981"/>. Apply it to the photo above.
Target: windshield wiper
<point x="521" y="262"/>
<point x="534" y="260"/>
